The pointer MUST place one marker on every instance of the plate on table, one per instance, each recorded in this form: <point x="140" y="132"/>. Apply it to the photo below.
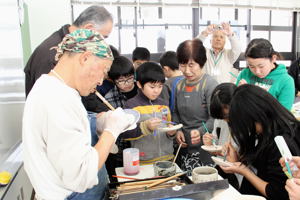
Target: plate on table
<point x="172" y="128"/>
<point x="212" y="148"/>
<point x="220" y="161"/>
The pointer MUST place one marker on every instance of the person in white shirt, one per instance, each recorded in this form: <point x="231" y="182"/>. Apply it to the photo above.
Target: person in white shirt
<point x="220" y="61"/>
<point x="58" y="156"/>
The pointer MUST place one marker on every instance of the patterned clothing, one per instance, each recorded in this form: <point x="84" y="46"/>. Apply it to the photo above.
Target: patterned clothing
<point x="115" y="97"/>
<point x="83" y="40"/>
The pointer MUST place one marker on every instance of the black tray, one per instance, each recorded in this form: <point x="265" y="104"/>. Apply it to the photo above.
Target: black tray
<point x="200" y="191"/>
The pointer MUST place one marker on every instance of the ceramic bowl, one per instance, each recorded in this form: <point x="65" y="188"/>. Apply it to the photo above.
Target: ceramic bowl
<point x="164" y="168"/>
<point x="204" y="174"/>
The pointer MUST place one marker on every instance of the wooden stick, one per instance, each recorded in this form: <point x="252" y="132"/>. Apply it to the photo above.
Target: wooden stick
<point x="124" y="177"/>
<point x="165" y="180"/>
<point x="177" y="153"/>
<point x="142" y="187"/>
<point x="105" y="101"/>
<point x="140" y="182"/>
<point x="132" y="191"/>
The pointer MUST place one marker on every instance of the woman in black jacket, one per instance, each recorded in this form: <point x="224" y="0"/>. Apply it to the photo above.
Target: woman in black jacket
<point x="255" y="118"/>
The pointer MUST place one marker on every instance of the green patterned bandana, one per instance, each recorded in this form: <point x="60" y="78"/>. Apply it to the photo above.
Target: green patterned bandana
<point x="83" y="40"/>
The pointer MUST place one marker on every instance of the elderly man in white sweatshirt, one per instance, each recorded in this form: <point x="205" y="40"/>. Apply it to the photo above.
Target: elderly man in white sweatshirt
<point x="220" y="61"/>
<point x="58" y="157"/>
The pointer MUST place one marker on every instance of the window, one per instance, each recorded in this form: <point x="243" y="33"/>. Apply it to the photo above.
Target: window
<point x="127" y="31"/>
<point x="10" y="29"/>
<point x="260" y="17"/>
<point x="178" y="28"/>
<point x="260" y="34"/>
<point x="161" y="28"/>
<point x="281" y="41"/>
<point x="281" y="18"/>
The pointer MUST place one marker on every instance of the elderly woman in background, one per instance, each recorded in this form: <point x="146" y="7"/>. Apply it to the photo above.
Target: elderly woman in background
<point x="192" y="101"/>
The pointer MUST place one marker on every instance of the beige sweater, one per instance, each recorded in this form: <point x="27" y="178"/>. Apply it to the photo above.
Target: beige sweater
<point x="220" y="66"/>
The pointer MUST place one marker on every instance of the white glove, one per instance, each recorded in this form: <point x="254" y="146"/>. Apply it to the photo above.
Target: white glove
<point x="115" y="122"/>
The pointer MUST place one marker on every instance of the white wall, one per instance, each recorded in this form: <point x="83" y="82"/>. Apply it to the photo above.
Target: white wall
<point x="45" y="17"/>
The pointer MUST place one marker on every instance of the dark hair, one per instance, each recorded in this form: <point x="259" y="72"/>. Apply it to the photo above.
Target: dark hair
<point x="221" y="97"/>
<point x="251" y="104"/>
<point x="140" y="53"/>
<point x="260" y="48"/>
<point x="114" y="51"/>
<point x="121" y="66"/>
<point x="96" y="15"/>
<point x="150" y="72"/>
<point x="191" y="49"/>
<point x="169" y="59"/>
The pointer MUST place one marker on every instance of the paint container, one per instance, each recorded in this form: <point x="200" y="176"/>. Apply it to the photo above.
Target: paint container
<point x="164" y="168"/>
<point x="204" y="174"/>
<point x="131" y="161"/>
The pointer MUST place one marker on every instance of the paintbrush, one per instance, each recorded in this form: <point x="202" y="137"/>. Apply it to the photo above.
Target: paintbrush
<point x="213" y="139"/>
<point x="104" y="101"/>
<point x="232" y="74"/>
<point x="164" y="180"/>
<point x="177" y="153"/>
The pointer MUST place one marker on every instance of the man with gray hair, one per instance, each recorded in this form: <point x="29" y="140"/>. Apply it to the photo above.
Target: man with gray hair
<point x="220" y="61"/>
<point x="42" y="60"/>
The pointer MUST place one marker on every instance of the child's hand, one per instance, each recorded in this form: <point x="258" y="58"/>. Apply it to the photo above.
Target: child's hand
<point x="242" y="82"/>
<point x="294" y="162"/>
<point x="180" y="139"/>
<point x="207" y="139"/>
<point x="153" y="123"/>
<point x="231" y="154"/>
<point x="195" y="136"/>
<point x="237" y="167"/>
<point x="293" y="188"/>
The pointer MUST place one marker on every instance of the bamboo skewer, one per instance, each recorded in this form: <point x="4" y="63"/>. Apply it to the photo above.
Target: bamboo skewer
<point x="140" y="182"/>
<point x="164" y="180"/>
<point x="124" y="177"/>
<point x="134" y="190"/>
<point x="142" y="187"/>
<point x="104" y="101"/>
<point x="177" y="153"/>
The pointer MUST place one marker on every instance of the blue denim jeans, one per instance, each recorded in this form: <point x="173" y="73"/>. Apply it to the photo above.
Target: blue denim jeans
<point x="92" y="118"/>
<point x="95" y="193"/>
